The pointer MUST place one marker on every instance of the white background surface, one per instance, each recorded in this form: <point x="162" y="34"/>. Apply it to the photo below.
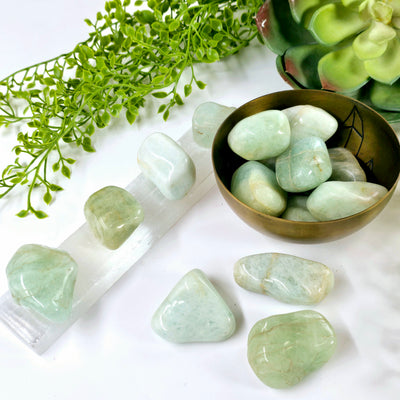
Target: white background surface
<point x="112" y="352"/>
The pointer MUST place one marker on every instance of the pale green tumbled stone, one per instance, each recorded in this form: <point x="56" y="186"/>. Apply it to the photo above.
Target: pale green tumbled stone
<point x="283" y="349"/>
<point x="334" y="199"/>
<point x="43" y="280"/>
<point x="307" y="120"/>
<point x="255" y="185"/>
<point x="304" y="166"/>
<point x="345" y="166"/>
<point x="167" y="165"/>
<point x="113" y="214"/>
<point x="206" y="120"/>
<point x="262" y="135"/>
<point x="287" y="278"/>
<point x="297" y="210"/>
<point x="194" y="312"/>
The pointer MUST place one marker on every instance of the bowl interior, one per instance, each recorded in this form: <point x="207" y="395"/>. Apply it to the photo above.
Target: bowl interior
<point x="361" y="130"/>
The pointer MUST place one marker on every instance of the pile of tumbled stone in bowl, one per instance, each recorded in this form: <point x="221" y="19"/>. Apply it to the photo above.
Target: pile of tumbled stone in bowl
<point x="287" y="158"/>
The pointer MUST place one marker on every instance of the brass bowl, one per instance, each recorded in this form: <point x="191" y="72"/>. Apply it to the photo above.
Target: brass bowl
<point x="361" y="130"/>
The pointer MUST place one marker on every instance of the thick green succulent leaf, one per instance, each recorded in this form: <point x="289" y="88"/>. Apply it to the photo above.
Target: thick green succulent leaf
<point x="279" y="30"/>
<point x="395" y="4"/>
<point x="333" y="23"/>
<point x="386" y="97"/>
<point x="301" y="62"/>
<point x="373" y="42"/>
<point x="347" y="3"/>
<point x="382" y="12"/>
<point x="300" y="7"/>
<point x="342" y="71"/>
<point x="386" y="68"/>
<point x="280" y="66"/>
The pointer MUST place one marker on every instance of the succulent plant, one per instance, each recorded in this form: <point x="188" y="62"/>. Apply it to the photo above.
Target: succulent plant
<point x="348" y="46"/>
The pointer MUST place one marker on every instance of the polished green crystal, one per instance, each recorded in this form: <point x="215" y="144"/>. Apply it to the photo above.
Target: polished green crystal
<point x="297" y="210"/>
<point x="194" y="312"/>
<point x="336" y="199"/>
<point x="165" y="163"/>
<point x="259" y="136"/>
<point x="306" y="120"/>
<point x="206" y="120"/>
<point x="255" y="185"/>
<point x="113" y="214"/>
<point x="283" y="349"/>
<point x="345" y="166"/>
<point x="304" y="166"/>
<point x="287" y="278"/>
<point x="43" y="280"/>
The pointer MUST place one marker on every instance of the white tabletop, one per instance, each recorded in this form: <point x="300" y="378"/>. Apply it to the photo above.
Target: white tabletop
<point x="112" y="352"/>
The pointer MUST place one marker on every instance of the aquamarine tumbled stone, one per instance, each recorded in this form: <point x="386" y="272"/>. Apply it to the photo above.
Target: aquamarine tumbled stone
<point x="307" y="120"/>
<point x="297" y="210"/>
<point x="194" y="312"/>
<point x="43" y="280"/>
<point x="334" y="199"/>
<point x="304" y="166"/>
<point x="287" y="278"/>
<point x="206" y="120"/>
<point x="283" y="349"/>
<point x="262" y="135"/>
<point x="255" y="185"/>
<point x="345" y="166"/>
<point x="167" y="165"/>
<point x="113" y="214"/>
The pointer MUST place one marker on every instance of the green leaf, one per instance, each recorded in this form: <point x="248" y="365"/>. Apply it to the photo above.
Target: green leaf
<point x="57" y="72"/>
<point x="131" y="116"/>
<point x="386" y="68"/>
<point x="333" y="23"/>
<point x="178" y="99"/>
<point x="159" y="95"/>
<point x="161" y="108"/>
<point x="216" y="24"/>
<point x="212" y="55"/>
<point x="115" y="110"/>
<point x="22" y="213"/>
<point x="90" y="129"/>
<point x="89" y="53"/>
<point x="56" y="166"/>
<point x="342" y="71"/>
<point x="386" y="97"/>
<point x="166" y="115"/>
<point x="47" y="198"/>
<point x="66" y="171"/>
<point x="174" y="25"/>
<point x="106" y="118"/>
<point x="70" y="160"/>
<point x="49" y="81"/>
<point x="40" y="214"/>
<point x="200" y="84"/>
<point x="200" y="53"/>
<point x="279" y="30"/>
<point x="373" y="42"/>
<point x="87" y="145"/>
<point x="88" y="21"/>
<point x="228" y="16"/>
<point x="55" y="188"/>
<point x="158" y="79"/>
<point x="299" y="65"/>
<point x="187" y="90"/>
<point x="120" y="14"/>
